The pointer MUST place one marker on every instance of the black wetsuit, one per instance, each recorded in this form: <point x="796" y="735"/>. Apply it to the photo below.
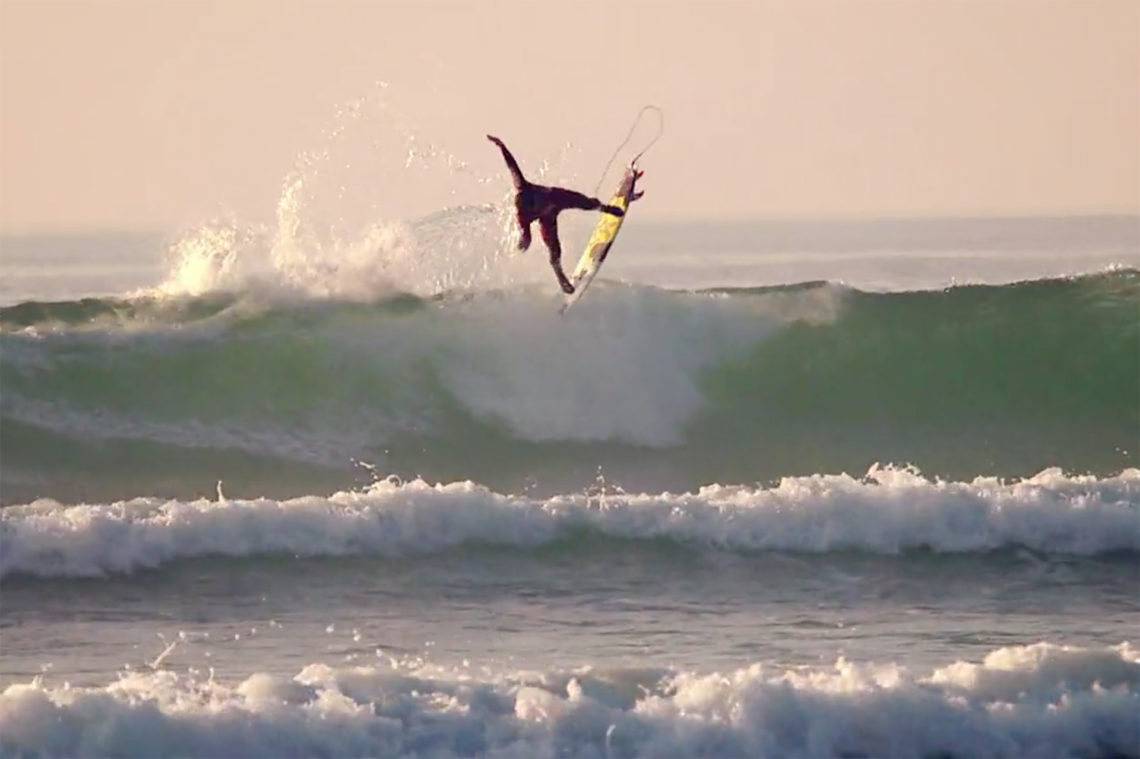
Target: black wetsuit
<point x="535" y="201"/>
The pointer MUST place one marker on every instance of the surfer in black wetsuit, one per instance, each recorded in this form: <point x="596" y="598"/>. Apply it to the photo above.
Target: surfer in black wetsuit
<point x="535" y="201"/>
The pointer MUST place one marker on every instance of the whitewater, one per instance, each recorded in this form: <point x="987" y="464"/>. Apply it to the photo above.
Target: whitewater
<point x="772" y="489"/>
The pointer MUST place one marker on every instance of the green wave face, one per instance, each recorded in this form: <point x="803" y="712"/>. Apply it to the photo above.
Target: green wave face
<point x="973" y="379"/>
<point x="673" y="388"/>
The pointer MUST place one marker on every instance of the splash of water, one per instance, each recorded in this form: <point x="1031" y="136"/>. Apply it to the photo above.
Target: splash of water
<point x="208" y="259"/>
<point x="347" y="225"/>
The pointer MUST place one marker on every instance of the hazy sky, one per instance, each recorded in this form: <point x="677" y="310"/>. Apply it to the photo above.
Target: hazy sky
<point x="161" y="114"/>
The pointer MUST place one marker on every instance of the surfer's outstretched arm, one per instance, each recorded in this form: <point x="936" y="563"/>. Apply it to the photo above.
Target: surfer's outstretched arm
<point x="549" y="227"/>
<point x="563" y="199"/>
<point x="512" y="164"/>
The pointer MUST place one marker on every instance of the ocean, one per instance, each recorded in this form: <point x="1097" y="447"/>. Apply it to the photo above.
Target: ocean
<point x="772" y="488"/>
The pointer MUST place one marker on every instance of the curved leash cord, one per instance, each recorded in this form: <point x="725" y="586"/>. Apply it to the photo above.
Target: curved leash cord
<point x="629" y="136"/>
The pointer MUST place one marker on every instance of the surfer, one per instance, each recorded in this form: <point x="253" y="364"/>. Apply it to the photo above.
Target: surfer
<point x="535" y="201"/>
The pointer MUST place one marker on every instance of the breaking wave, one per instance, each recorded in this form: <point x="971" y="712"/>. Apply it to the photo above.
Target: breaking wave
<point x="1040" y="700"/>
<point x="695" y="387"/>
<point x="887" y="511"/>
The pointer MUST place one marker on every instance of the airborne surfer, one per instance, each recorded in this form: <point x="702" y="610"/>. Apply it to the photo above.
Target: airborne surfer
<point x="535" y="201"/>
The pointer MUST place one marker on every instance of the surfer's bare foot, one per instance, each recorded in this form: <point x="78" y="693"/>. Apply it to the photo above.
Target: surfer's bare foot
<point x="566" y="286"/>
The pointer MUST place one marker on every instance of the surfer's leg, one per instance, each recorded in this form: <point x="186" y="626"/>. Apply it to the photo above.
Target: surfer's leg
<point x="549" y="227"/>
<point x="512" y="164"/>
<point x="563" y="199"/>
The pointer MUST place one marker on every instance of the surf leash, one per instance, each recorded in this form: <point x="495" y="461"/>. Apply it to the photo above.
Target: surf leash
<point x="629" y="136"/>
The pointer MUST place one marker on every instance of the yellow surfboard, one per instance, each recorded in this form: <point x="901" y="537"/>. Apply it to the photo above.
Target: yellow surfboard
<point x="603" y="238"/>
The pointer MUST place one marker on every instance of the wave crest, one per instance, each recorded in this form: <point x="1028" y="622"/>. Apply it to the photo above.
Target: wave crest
<point x="889" y="511"/>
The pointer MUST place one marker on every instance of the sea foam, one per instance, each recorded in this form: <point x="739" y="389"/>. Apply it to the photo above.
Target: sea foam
<point x="886" y="511"/>
<point x="1040" y="700"/>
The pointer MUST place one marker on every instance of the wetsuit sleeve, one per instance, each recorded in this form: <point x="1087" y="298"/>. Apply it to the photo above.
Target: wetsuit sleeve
<point x="512" y="164"/>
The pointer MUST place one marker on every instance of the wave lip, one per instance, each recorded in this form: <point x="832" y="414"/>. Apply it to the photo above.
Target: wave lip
<point x="1040" y="700"/>
<point x="887" y="511"/>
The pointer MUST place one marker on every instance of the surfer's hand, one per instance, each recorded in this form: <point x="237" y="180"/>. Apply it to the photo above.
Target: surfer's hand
<point x="495" y="140"/>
